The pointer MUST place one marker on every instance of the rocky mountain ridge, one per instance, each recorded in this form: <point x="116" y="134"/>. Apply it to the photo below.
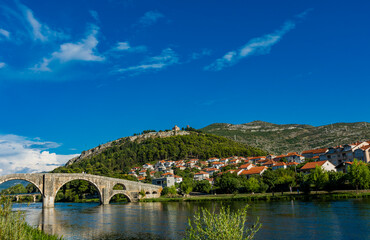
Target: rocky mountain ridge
<point x="283" y="138"/>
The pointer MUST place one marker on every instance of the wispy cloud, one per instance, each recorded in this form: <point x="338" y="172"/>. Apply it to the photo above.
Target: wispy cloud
<point x="2" y="64"/>
<point x="40" y="31"/>
<point x="150" y="18"/>
<point x="84" y="50"/>
<point x="4" y="34"/>
<point x="19" y="154"/>
<point x="95" y="15"/>
<point x="167" y="58"/>
<point x="256" y="46"/>
<point x="125" y="46"/>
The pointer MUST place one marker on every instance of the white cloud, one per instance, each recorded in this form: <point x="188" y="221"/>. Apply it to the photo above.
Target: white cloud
<point x="4" y="33"/>
<point x="2" y="64"/>
<point x="167" y="58"/>
<point x="150" y="18"/>
<point x="22" y="155"/>
<point x="125" y="46"/>
<point x="40" y="31"/>
<point x="84" y="50"/>
<point x="256" y="46"/>
<point x="95" y="15"/>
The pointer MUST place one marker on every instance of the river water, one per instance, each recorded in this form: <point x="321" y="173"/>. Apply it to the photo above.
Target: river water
<point x="347" y="219"/>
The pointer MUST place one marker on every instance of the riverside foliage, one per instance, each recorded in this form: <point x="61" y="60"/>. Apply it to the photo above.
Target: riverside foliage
<point x="14" y="227"/>
<point x="224" y="225"/>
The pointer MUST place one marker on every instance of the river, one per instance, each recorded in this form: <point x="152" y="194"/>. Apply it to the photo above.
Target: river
<point x="347" y="219"/>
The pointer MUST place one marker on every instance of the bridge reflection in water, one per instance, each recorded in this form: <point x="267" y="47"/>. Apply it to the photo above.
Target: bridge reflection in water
<point x="93" y="221"/>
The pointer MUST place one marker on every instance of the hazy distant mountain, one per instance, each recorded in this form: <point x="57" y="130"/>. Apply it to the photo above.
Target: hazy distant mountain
<point x="283" y="138"/>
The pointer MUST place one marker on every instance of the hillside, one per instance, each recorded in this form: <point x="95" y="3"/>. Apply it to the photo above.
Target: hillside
<point x="119" y="156"/>
<point x="283" y="138"/>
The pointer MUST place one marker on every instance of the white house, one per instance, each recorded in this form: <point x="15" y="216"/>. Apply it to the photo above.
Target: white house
<point x="201" y="176"/>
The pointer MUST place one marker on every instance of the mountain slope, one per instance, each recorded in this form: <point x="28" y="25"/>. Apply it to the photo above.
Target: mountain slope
<point x="283" y="138"/>
<point x="119" y="156"/>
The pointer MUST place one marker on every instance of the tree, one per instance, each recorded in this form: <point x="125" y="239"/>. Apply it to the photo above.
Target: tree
<point x="359" y="175"/>
<point x="228" y="183"/>
<point x="186" y="186"/>
<point x="224" y="225"/>
<point x="252" y="185"/>
<point x="269" y="177"/>
<point x="203" y="186"/>
<point x="336" y="180"/>
<point x="319" y="177"/>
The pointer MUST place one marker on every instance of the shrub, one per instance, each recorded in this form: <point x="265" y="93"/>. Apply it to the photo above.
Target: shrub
<point x="221" y="226"/>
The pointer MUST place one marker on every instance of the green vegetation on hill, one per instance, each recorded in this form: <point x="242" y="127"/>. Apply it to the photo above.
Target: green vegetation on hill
<point x="284" y="138"/>
<point x="120" y="157"/>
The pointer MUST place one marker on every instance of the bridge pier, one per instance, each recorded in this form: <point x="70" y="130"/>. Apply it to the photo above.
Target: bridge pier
<point x="47" y="201"/>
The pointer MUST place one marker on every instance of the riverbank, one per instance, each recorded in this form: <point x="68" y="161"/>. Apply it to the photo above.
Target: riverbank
<point x="14" y="226"/>
<point x="286" y="196"/>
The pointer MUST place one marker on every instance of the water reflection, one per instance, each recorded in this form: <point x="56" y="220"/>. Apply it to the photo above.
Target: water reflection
<point x="280" y="220"/>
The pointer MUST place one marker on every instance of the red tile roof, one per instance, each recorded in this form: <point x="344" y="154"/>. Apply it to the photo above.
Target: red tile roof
<point x="312" y="165"/>
<point x="315" y="151"/>
<point x="245" y="166"/>
<point x="255" y="170"/>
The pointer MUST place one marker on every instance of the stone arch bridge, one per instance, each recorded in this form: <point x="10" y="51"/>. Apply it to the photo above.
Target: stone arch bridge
<point x="49" y="184"/>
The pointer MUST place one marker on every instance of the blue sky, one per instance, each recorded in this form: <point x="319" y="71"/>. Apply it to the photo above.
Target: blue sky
<point x="75" y="74"/>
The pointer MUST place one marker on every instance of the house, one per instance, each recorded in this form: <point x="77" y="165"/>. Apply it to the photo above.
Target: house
<point x="294" y="157"/>
<point x="310" y="154"/>
<point x="201" y="176"/>
<point x="339" y="154"/>
<point x="166" y="181"/>
<point x="235" y="161"/>
<point x="279" y="165"/>
<point x="213" y="160"/>
<point x="141" y="178"/>
<point x="191" y="163"/>
<point x="148" y="166"/>
<point x="211" y="171"/>
<point x="229" y="171"/>
<point x="246" y="166"/>
<point x="168" y="164"/>
<point x="181" y="167"/>
<point x="257" y="159"/>
<point x="160" y="165"/>
<point x="152" y="173"/>
<point x="224" y="160"/>
<point x="269" y="163"/>
<point x="142" y="173"/>
<point x="217" y="165"/>
<point x="289" y="164"/>
<point x="326" y="165"/>
<point x="280" y="158"/>
<point x="253" y="171"/>
<point x="363" y="154"/>
<point x="197" y="167"/>
<point x="176" y="128"/>
<point x="178" y="179"/>
<point x="343" y="167"/>
<point x="210" y="180"/>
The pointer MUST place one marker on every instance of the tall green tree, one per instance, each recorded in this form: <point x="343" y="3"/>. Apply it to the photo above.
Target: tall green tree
<point x="359" y="175"/>
<point x="319" y="177"/>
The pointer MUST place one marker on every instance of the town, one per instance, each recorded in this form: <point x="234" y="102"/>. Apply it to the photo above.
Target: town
<point x="335" y="159"/>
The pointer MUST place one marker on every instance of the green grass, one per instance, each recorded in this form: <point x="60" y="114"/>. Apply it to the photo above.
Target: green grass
<point x="14" y="227"/>
<point x="266" y="197"/>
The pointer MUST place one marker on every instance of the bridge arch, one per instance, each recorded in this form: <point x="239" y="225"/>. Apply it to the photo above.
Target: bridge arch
<point x="61" y="184"/>
<point x="27" y="179"/>
<point x="122" y="193"/>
